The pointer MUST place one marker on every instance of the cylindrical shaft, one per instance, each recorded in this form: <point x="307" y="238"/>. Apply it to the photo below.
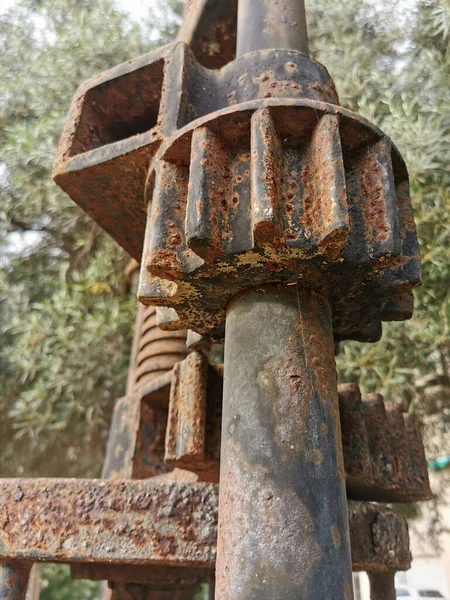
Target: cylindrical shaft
<point x="382" y="586"/>
<point x="283" y="520"/>
<point x="14" y="580"/>
<point x="34" y="583"/>
<point x="264" y="24"/>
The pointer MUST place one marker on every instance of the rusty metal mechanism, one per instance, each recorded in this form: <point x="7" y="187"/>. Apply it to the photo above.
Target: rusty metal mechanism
<point x="280" y="223"/>
<point x="382" y="448"/>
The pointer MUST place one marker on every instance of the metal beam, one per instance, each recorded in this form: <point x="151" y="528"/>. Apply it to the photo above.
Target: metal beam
<point x="79" y="520"/>
<point x="127" y="526"/>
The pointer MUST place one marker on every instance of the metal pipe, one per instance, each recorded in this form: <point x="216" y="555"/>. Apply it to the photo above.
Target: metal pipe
<point x="382" y="586"/>
<point x="264" y="24"/>
<point x="34" y="583"/>
<point x="14" y="580"/>
<point x="283" y="519"/>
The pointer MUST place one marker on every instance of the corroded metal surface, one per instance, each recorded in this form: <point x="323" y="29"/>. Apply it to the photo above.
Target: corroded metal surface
<point x="254" y="178"/>
<point x="124" y="522"/>
<point x="382" y="586"/>
<point x="283" y="524"/>
<point x="195" y="416"/>
<point x="379" y="539"/>
<point x="136" y="437"/>
<point x="154" y="351"/>
<point x="383" y="451"/>
<point x="14" y="578"/>
<point x="109" y="138"/>
<point x="384" y="456"/>
<point x="277" y="82"/>
<point x="136" y="440"/>
<point x="138" y="524"/>
<point x="241" y="220"/>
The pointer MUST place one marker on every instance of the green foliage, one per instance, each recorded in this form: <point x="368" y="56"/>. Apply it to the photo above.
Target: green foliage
<point x="65" y="317"/>
<point x="56" y="584"/>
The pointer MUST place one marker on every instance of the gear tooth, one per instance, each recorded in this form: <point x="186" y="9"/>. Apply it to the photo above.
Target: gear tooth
<point x="266" y="178"/>
<point x="413" y="438"/>
<point x="404" y="274"/>
<point x="209" y="192"/>
<point x="168" y="319"/>
<point x="357" y="459"/>
<point x="349" y="396"/>
<point x="168" y="255"/>
<point x="407" y="227"/>
<point x="314" y="192"/>
<point x="369" y="331"/>
<point x="398" y="308"/>
<point x="401" y="460"/>
<point x="154" y="290"/>
<point x="326" y="160"/>
<point x="373" y="205"/>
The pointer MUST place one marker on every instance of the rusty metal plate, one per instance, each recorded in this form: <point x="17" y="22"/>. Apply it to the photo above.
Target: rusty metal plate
<point x="109" y="139"/>
<point x="195" y="417"/>
<point x="153" y="523"/>
<point x="123" y="522"/>
<point x="383" y="451"/>
<point x="379" y="539"/>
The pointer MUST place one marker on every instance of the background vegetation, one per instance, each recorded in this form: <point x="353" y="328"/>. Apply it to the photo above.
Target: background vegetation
<point x="65" y="316"/>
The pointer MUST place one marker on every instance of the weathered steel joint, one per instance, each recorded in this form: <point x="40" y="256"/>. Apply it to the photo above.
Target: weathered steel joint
<point x="383" y="451"/>
<point x="260" y="178"/>
<point x="266" y="179"/>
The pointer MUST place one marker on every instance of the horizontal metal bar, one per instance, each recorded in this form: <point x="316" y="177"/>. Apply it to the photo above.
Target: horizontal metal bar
<point x="82" y="520"/>
<point x="153" y="523"/>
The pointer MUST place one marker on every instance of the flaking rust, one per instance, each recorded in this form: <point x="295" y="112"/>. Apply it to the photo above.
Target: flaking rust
<point x="137" y="524"/>
<point x="123" y="522"/>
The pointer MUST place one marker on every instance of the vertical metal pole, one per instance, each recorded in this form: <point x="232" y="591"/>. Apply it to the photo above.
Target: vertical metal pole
<point x="382" y="586"/>
<point x="14" y="580"/>
<point x="34" y="583"/>
<point x="283" y="520"/>
<point x="266" y="24"/>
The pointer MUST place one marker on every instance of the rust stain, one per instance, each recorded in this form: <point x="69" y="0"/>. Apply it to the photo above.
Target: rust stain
<point x="336" y="536"/>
